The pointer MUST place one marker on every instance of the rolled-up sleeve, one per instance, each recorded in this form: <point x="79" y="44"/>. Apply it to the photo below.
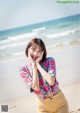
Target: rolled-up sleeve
<point x="51" y="67"/>
<point x="25" y="75"/>
<point x="27" y="78"/>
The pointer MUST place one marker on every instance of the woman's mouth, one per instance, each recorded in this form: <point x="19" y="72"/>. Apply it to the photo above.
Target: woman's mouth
<point x="34" y="57"/>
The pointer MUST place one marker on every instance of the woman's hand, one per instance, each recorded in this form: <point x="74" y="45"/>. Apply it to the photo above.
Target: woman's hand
<point x="39" y="58"/>
<point x="30" y="58"/>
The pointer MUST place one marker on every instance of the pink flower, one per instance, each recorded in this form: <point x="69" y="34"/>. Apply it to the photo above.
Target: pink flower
<point x="26" y="69"/>
<point x="41" y="81"/>
<point x="53" y="86"/>
<point x="46" y="64"/>
<point x="27" y="80"/>
<point x="51" y="68"/>
<point x="46" y="88"/>
<point x="52" y="62"/>
<point x="37" y="91"/>
<point x="23" y="74"/>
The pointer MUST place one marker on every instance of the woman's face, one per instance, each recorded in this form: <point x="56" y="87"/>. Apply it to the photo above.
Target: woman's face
<point x="35" y="51"/>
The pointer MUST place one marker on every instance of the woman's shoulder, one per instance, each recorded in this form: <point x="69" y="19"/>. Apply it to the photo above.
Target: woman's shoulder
<point x="49" y="59"/>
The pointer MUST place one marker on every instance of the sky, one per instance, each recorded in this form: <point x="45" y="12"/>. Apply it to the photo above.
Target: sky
<point x="16" y="13"/>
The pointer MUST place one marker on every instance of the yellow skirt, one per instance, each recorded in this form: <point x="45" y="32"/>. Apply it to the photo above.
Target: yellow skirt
<point x="55" y="104"/>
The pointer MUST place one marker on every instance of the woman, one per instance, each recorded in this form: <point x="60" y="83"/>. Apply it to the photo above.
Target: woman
<point x="40" y="77"/>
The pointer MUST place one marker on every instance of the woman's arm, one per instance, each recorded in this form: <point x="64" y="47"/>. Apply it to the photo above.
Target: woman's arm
<point x="35" y="84"/>
<point x="50" y="79"/>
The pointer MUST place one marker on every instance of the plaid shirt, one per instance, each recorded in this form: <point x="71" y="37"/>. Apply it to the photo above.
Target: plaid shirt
<point x="49" y="66"/>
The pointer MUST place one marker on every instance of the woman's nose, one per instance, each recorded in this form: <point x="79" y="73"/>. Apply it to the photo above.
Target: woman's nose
<point x="35" y="53"/>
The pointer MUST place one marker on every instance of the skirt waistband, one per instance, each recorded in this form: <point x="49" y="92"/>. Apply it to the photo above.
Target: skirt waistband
<point x="51" y="94"/>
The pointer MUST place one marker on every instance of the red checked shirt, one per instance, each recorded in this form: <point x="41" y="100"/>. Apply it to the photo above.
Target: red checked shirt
<point x="48" y="65"/>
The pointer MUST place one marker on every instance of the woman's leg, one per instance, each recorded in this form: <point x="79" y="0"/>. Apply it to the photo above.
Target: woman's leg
<point x="63" y="109"/>
<point x="58" y="104"/>
<point x="43" y="112"/>
<point x="61" y="103"/>
<point x="41" y="108"/>
<point x="44" y="106"/>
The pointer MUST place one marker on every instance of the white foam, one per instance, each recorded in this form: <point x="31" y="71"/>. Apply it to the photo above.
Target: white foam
<point x="19" y="37"/>
<point x="13" y="45"/>
<point x="12" y="57"/>
<point x="56" y="35"/>
<point x="39" y="29"/>
<point x="8" y="60"/>
<point x="18" y="54"/>
<point x="56" y="47"/>
<point x="2" y="55"/>
<point x="63" y="44"/>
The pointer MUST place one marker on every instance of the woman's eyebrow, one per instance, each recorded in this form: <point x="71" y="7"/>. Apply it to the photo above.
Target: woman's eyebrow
<point x="34" y="47"/>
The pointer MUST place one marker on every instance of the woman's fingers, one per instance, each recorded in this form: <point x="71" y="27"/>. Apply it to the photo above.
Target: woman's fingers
<point x="30" y="57"/>
<point x="40" y="58"/>
<point x="42" y="54"/>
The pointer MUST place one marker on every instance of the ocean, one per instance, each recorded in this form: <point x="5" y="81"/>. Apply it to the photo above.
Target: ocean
<point x="56" y="34"/>
<point x="62" y="39"/>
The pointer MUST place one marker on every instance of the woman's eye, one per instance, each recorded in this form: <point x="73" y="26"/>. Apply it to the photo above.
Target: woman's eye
<point x="33" y="50"/>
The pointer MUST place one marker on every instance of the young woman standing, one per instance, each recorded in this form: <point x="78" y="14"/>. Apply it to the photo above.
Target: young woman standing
<point x="40" y="77"/>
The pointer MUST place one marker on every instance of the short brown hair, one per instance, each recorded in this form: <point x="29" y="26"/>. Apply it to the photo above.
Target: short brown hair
<point x="39" y="42"/>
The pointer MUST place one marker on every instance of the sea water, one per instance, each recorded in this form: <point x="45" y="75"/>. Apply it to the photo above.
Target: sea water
<point x="55" y="33"/>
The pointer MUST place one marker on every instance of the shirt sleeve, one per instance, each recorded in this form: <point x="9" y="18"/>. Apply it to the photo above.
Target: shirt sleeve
<point x="26" y="76"/>
<point x="52" y="67"/>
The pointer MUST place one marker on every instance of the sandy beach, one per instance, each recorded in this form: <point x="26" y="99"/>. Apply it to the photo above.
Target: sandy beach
<point x="27" y="104"/>
<point x="13" y="91"/>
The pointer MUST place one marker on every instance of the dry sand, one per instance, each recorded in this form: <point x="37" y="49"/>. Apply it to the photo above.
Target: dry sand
<point x="27" y="104"/>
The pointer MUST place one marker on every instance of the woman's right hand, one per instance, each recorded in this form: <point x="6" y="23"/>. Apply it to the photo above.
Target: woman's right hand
<point x="31" y="59"/>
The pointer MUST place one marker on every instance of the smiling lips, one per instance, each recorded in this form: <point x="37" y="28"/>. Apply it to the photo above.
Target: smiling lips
<point x="34" y="57"/>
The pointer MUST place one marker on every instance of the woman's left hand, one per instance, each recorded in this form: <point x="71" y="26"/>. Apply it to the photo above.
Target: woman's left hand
<point x="39" y="58"/>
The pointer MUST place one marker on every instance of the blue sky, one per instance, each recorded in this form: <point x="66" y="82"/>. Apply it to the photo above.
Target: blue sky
<point x="15" y="13"/>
